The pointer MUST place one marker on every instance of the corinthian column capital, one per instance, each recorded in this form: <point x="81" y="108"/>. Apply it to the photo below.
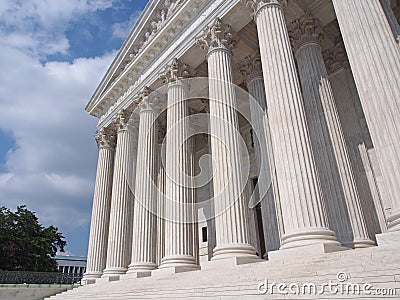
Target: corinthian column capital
<point x="335" y="58"/>
<point x="147" y="102"/>
<point x="106" y="138"/>
<point x="121" y="121"/>
<point x="257" y="5"/>
<point x="306" y="30"/>
<point x="152" y="105"/>
<point x="217" y="36"/>
<point x="176" y="71"/>
<point x="251" y="67"/>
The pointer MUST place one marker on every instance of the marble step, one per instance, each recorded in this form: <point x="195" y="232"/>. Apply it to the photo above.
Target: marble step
<point x="218" y="289"/>
<point x="362" y="266"/>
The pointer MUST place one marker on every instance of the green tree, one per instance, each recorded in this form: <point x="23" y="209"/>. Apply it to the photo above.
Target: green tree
<point x="26" y="245"/>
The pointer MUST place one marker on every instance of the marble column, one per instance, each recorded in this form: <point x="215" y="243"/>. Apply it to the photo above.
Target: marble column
<point x="391" y="18"/>
<point x="267" y="181"/>
<point x="331" y="155"/>
<point x="357" y="137"/>
<point x="144" y="229"/>
<point x="303" y="210"/>
<point x="120" y="231"/>
<point x="374" y="58"/>
<point x="179" y="252"/>
<point x="97" y="250"/>
<point x="229" y="181"/>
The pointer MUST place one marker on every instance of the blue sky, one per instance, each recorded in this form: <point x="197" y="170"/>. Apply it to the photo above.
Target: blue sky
<point x="53" y="55"/>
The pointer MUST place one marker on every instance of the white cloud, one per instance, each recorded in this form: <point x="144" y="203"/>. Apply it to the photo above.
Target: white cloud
<point x="53" y="165"/>
<point x="42" y="106"/>
<point x="121" y="30"/>
<point x="38" y="26"/>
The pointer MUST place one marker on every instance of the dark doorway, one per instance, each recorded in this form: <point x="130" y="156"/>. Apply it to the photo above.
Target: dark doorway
<point x="259" y="221"/>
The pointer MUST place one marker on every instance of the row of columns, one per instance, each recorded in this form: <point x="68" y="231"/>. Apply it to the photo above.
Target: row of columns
<point x="374" y="58"/>
<point x="307" y="165"/>
<point x="332" y="160"/>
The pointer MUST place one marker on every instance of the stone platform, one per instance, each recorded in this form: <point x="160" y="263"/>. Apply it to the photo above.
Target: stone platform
<point x="378" y="267"/>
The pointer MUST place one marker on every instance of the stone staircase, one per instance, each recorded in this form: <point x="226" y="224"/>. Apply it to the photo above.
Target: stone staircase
<point x="378" y="266"/>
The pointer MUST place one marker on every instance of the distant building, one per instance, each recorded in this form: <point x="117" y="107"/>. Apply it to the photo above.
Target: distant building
<point x="71" y="264"/>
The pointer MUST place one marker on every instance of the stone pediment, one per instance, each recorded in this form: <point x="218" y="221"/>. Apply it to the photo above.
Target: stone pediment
<point x="159" y="23"/>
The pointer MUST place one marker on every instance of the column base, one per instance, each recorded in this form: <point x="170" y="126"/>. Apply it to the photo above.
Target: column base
<point x="141" y="267"/>
<point x="307" y="237"/>
<point x="394" y="221"/>
<point x="178" y="261"/>
<point x="388" y="239"/>
<point x="113" y="274"/>
<point x="176" y="264"/>
<point x="307" y="243"/>
<point x="305" y="251"/>
<point x="234" y="251"/>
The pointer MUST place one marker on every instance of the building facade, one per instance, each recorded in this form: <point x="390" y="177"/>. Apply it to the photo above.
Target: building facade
<point x="75" y="265"/>
<point x="247" y="130"/>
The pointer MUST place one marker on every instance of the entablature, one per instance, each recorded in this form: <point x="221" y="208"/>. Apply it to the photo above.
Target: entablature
<point x="174" y="36"/>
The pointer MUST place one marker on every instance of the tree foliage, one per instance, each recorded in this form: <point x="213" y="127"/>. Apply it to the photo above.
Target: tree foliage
<point x="26" y="245"/>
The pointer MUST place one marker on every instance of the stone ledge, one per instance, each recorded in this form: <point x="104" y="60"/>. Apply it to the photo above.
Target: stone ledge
<point x="305" y="251"/>
<point x="135" y="275"/>
<point x="173" y="270"/>
<point x="388" y="239"/>
<point x="229" y="262"/>
<point x="108" y="279"/>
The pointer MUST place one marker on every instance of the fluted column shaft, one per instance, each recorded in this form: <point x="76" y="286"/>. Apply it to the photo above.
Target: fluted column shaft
<point x="120" y="231"/>
<point x="231" y="210"/>
<point x="330" y="150"/>
<point x="374" y="57"/>
<point x="303" y="211"/>
<point x="267" y="181"/>
<point x="179" y="250"/>
<point x="97" y="249"/>
<point x="231" y="225"/>
<point x="143" y="250"/>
